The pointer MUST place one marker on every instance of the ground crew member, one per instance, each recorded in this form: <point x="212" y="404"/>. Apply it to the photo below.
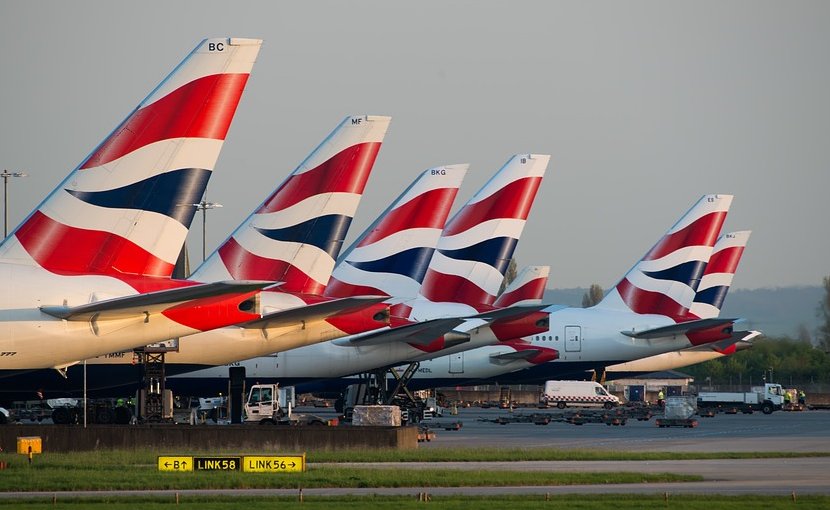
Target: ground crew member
<point x="660" y="398"/>
<point x="787" y="397"/>
<point x="802" y="397"/>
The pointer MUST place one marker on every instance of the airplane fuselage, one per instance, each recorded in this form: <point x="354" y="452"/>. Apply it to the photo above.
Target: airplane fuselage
<point x="32" y="339"/>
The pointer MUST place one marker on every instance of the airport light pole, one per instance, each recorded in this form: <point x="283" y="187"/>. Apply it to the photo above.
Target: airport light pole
<point x="6" y="174"/>
<point x="204" y="206"/>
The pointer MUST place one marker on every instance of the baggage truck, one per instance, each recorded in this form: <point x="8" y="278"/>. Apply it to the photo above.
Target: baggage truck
<point x="577" y="393"/>
<point x="766" y="398"/>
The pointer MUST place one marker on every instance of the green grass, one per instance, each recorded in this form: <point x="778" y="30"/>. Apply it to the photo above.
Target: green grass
<point x="61" y="473"/>
<point x="565" y="502"/>
<point x="118" y="458"/>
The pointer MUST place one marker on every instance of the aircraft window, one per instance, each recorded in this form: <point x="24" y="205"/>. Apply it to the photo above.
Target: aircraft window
<point x="557" y="338"/>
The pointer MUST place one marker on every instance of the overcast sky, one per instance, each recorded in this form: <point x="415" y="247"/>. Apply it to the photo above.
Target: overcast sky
<point x="644" y="107"/>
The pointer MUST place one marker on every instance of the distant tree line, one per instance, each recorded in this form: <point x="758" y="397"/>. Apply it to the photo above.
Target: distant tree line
<point x="788" y="361"/>
<point x="791" y="361"/>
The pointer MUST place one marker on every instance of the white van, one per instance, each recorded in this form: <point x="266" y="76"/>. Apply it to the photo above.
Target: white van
<point x="577" y="393"/>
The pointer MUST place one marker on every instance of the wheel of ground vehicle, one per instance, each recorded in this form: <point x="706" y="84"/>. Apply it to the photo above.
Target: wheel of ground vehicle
<point x="267" y="421"/>
<point x="60" y="416"/>
<point x="104" y="416"/>
<point x="767" y="408"/>
<point x="561" y="405"/>
<point x="608" y="405"/>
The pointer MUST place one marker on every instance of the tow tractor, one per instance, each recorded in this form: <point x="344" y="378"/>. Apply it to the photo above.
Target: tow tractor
<point x="268" y="404"/>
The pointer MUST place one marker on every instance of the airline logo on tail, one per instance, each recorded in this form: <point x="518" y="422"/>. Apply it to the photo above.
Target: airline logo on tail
<point x="478" y="243"/>
<point x="719" y="274"/>
<point x="664" y="282"/>
<point x="126" y="209"/>
<point x="392" y="255"/>
<point x="528" y="287"/>
<point x="296" y="234"/>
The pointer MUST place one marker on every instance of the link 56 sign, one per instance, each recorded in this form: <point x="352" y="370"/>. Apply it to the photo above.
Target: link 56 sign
<point x="274" y="464"/>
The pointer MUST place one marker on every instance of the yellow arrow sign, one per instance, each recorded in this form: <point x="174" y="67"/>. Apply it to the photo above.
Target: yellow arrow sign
<point x="175" y="463"/>
<point x="274" y="464"/>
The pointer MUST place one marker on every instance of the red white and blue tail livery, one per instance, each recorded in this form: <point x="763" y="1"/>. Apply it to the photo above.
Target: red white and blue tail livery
<point x="391" y="257"/>
<point x="527" y="289"/>
<point x="126" y="209"/>
<point x="87" y="272"/>
<point x="297" y="233"/>
<point x="665" y="280"/>
<point x="477" y="244"/>
<point x="720" y="271"/>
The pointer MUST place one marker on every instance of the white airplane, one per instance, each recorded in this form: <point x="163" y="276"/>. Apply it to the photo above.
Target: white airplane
<point x="514" y="361"/>
<point x="471" y="256"/>
<point x="293" y="237"/>
<point x="708" y="302"/>
<point x="88" y="271"/>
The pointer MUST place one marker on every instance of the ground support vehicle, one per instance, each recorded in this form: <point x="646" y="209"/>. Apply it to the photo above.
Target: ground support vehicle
<point x="446" y="425"/>
<point x="615" y="419"/>
<point x="677" y="422"/>
<point x="425" y="434"/>
<point x="268" y="404"/>
<point x="29" y="410"/>
<point x="767" y="398"/>
<point x="68" y="411"/>
<point x="678" y="411"/>
<point x="563" y="394"/>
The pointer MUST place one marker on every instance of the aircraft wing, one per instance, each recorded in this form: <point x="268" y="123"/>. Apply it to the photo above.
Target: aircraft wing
<point x="508" y="357"/>
<point x="313" y="312"/>
<point x="151" y="302"/>
<point x="737" y="336"/>
<point x="678" y="329"/>
<point x="418" y="333"/>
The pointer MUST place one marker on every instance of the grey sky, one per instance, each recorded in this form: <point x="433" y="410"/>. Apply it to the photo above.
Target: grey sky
<point x="644" y="106"/>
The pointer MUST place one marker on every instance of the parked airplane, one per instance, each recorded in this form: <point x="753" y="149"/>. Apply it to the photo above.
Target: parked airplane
<point x="475" y="246"/>
<point x="603" y="333"/>
<point x="496" y="363"/>
<point x="293" y="237"/>
<point x="708" y="302"/>
<point x="87" y="272"/>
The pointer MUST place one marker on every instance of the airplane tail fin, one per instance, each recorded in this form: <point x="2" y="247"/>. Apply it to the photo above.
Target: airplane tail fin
<point x="527" y="289"/>
<point x="391" y="257"/>
<point x="665" y="280"/>
<point x="126" y="209"/>
<point x="477" y="244"/>
<point x="296" y="234"/>
<point x="717" y="278"/>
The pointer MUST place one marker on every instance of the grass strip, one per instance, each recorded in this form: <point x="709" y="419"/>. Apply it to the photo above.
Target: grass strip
<point x="124" y="458"/>
<point x="60" y="477"/>
<point x="568" y="502"/>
